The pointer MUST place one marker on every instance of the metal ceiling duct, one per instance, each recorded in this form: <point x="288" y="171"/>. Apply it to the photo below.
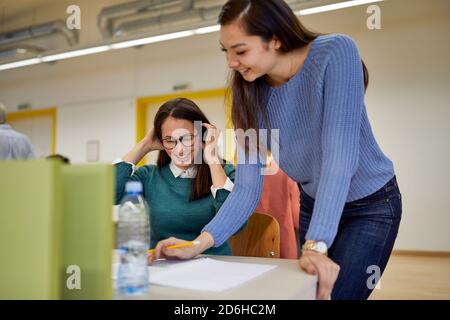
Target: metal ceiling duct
<point x="158" y="15"/>
<point x="44" y="29"/>
<point x="20" y="50"/>
<point x="192" y="17"/>
<point x="108" y="15"/>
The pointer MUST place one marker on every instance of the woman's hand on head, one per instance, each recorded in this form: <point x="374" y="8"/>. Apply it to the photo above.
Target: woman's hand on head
<point x="210" y="151"/>
<point x="152" y="142"/>
<point x="149" y="143"/>
<point x="326" y="269"/>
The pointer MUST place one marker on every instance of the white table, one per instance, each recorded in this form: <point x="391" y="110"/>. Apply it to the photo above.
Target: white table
<point x="286" y="282"/>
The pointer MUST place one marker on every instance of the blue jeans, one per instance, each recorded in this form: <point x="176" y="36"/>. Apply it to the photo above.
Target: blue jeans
<point x="364" y="240"/>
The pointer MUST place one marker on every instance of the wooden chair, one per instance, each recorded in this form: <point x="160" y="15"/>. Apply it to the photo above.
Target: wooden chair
<point x="260" y="238"/>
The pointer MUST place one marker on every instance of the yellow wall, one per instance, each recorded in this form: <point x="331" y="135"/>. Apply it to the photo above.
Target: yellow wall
<point x="143" y="104"/>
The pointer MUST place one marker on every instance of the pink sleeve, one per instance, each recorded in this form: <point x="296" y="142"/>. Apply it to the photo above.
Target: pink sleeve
<point x="295" y="203"/>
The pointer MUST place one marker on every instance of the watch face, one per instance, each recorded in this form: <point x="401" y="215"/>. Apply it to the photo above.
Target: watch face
<point x="321" y="246"/>
<point x="318" y="246"/>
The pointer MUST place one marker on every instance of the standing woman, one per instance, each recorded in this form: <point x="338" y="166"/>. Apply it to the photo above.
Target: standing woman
<point x="311" y="87"/>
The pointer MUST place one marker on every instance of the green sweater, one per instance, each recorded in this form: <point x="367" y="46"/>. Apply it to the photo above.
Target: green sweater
<point x="171" y="212"/>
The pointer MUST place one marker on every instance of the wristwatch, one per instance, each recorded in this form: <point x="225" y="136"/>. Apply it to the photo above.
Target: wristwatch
<point x="318" y="246"/>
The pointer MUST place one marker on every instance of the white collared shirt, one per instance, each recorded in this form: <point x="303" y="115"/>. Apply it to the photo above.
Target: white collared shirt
<point x="14" y="145"/>
<point x="190" y="173"/>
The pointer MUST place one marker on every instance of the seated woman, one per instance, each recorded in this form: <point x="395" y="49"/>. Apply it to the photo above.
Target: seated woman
<point x="183" y="196"/>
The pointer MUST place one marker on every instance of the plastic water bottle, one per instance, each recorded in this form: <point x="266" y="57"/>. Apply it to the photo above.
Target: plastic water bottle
<point x="133" y="240"/>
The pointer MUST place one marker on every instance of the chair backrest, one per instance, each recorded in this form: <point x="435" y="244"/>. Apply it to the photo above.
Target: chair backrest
<point x="260" y="238"/>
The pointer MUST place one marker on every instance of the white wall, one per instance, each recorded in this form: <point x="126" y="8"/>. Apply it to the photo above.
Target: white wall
<point x="410" y="112"/>
<point x="39" y="131"/>
<point x="408" y="99"/>
<point x="87" y="89"/>
<point x="111" y="123"/>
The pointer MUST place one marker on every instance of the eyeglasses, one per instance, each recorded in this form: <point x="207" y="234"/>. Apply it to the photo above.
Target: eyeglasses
<point x="186" y="140"/>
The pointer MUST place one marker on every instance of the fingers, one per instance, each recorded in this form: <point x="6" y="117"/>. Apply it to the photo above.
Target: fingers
<point x="162" y="244"/>
<point x="175" y="253"/>
<point x="326" y="283"/>
<point x="182" y="253"/>
<point x="328" y="273"/>
<point x="179" y="253"/>
<point x="152" y="140"/>
<point x="150" y="258"/>
<point x="307" y="265"/>
<point x="326" y="270"/>
<point x="209" y="146"/>
<point x="208" y="125"/>
<point x="163" y="250"/>
<point x="213" y="132"/>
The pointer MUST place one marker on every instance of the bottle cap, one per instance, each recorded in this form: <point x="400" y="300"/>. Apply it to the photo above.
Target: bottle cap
<point x="133" y="187"/>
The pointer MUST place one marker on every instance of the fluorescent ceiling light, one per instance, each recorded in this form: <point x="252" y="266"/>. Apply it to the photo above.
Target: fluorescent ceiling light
<point x="75" y="53"/>
<point x="18" y="64"/>
<point x="163" y="37"/>
<point x="334" y="6"/>
<point x="207" y="29"/>
<point x="160" y="38"/>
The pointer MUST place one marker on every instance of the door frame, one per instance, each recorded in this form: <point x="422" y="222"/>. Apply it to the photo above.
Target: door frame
<point x="31" y="114"/>
<point x="142" y="102"/>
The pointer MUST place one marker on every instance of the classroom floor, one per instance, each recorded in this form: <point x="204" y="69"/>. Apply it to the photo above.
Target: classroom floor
<point x="413" y="277"/>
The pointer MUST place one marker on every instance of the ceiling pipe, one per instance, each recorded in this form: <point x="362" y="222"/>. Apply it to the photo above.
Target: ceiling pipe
<point x="183" y="18"/>
<point x="20" y="50"/>
<point x="107" y="15"/>
<point x="157" y="14"/>
<point x="44" y="29"/>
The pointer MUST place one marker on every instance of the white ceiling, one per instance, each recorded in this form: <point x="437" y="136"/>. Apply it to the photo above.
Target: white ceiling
<point x="13" y="8"/>
<point x="22" y="13"/>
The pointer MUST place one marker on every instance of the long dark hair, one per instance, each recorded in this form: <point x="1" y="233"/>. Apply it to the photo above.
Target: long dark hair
<point x="182" y="108"/>
<point x="266" y="19"/>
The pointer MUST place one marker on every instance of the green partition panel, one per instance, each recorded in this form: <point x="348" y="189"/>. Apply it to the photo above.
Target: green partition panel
<point x="30" y="229"/>
<point x="87" y="231"/>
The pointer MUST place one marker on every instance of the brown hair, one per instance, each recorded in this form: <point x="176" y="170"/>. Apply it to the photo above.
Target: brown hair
<point x="59" y="157"/>
<point x="2" y="114"/>
<point x="182" y="108"/>
<point x="266" y="19"/>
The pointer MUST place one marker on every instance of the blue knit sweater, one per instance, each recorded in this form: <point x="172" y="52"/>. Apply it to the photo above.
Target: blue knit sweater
<point x="325" y="142"/>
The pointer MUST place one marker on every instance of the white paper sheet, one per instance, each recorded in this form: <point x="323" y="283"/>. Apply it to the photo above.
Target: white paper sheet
<point x="207" y="274"/>
<point x="204" y="274"/>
